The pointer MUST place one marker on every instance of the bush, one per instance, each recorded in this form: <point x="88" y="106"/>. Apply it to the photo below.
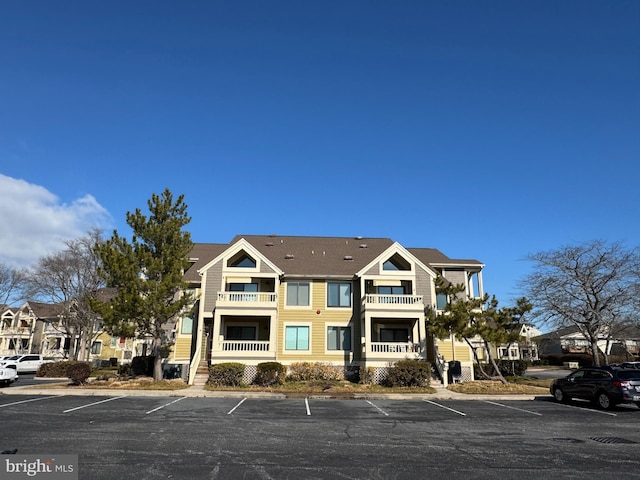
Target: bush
<point x="53" y="370"/>
<point x="367" y="375"/>
<point x="125" y="370"/>
<point x="78" y="372"/>
<point x="308" y="371"/>
<point x="512" y="368"/>
<point x="226" y="374"/>
<point x="409" y="373"/>
<point x="270" y="373"/>
<point x="142" y="366"/>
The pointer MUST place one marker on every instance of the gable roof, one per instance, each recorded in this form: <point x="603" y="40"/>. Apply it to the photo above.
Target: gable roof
<point x="318" y="256"/>
<point x="310" y="256"/>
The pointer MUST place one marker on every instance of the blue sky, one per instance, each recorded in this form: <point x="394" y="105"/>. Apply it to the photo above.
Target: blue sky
<point x="486" y="129"/>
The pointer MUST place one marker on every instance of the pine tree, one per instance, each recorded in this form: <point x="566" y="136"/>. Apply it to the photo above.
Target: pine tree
<point x="147" y="273"/>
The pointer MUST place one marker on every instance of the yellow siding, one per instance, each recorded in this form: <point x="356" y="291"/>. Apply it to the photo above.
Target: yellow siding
<point x="182" y="348"/>
<point x="317" y="322"/>
<point x="462" y="351"/>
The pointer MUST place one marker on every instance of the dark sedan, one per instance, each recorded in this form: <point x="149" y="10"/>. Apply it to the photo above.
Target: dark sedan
<point x="604" y="386"/>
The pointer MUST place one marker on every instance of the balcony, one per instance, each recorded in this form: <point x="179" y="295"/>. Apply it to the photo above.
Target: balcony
<point x="382" y="303"/>
<point x="243" y="349"/>
<point x="396" y="350"/>
<point x="248" y="300"/>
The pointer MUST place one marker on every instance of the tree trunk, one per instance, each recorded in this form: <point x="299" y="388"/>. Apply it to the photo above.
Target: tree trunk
<point x="595" y="353"/>
<point x="156" y="351"/>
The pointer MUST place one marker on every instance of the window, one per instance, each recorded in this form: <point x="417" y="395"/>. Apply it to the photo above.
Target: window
<point x="396" y="263"/>
<point x="338" y="338"/>
<point x="186" y="327"/>
<point x="242" y="260"/>
<point x="243" y="287"/>
<point x="298" y="294"/>
<point x="398" y="335"/>
<point x="339" y="295"/>
<point x="239" y="332"/>
<point x="441" y="301"/>
<point x="296" y="338"/>
<point x="96" y="347"/>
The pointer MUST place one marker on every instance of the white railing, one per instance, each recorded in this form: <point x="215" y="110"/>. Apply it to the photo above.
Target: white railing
<point x="263" y="297"/>
<point x="391" y="347"/>
<point x="15" y="331"/>
<point x="244" y="346"/>
<point x="376" y="299"/>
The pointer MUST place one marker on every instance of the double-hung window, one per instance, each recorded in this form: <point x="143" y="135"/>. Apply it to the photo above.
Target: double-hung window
<point x="298" y="294"/>
<point x="296" y="338"/>
<point x="339" y="295"/>
<point x="339" y="338"/>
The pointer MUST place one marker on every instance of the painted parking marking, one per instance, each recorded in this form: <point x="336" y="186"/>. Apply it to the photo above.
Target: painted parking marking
<point x="589" y="409"/>
<point x="30" y="400"/>
<point x="165" y="405"/>
<point x="306" y="403"/>
<point x="513" y="408"/>
<point x="237" y="405"/>
<point x="92" y="404"/>
<point x="378" y="408"/>
<point x="445" y="407"/>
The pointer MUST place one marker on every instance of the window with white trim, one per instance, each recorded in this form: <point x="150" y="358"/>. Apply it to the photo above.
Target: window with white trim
<point x="338" y="338"/>
<point x="298" y="294"/>
<point x="296" y="337"/>
<point x="339" y="295"/>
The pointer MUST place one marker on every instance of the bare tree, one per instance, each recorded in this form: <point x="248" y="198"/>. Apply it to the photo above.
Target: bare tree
<point x="68" y="279"/>
<point x="12" y="284"/>
<point x="592" y="287"/>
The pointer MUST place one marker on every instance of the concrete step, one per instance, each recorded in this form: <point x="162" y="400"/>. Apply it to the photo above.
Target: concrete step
<point x="201" y="379"/>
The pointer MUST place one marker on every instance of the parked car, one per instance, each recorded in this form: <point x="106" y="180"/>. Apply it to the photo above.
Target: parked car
<point x="8" y="376"/>
<point x="604" y="386"/>
<point x="24" y="363"/>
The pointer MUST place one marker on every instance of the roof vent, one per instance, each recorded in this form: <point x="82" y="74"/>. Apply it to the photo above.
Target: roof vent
<point x="289" y="256"/>
<point x="363" y="245"/>
<point x="348" y="257"/>
<point x="358" y="237"/>
<point x="268" y="244"/>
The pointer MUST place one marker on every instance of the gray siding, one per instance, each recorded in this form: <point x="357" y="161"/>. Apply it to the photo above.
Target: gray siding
<point x="423" y="285"/>
<point x="214" y="285"/>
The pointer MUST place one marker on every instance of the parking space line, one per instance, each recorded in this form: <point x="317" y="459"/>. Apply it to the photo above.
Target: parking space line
<point x="165" y="405"/>
<point x="445" y="407"/>
<point x="234" y="408"/>
<point x="378" y="408"/>
<point x="91" y="404"/>
<point x="513" y="408"/>
<point x="589" y="409"/>
<point x="30" y="400"/>
<point x="306" y="402"/>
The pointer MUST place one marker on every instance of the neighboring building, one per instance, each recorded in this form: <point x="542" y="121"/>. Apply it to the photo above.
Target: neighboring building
<point x="351" y="302"/>
<point x="623" y="341"/>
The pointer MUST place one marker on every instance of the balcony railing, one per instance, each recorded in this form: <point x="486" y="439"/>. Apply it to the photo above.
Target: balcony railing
<point x="244" y="297"/>
<point x="244" y="346"/>
<point x="392" y="300"/>
<point x="25" y="331"/>
<point x="392" y="347"/>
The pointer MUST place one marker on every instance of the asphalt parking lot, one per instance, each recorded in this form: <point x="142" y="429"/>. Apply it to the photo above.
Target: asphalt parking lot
<point x="122" y="437"/>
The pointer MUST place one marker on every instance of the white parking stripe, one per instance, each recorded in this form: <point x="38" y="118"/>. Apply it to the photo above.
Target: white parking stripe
<point x="234" y="408"/>
<point x="94" y="403"/>
<point x="306" y="402"/>
<point x="513" y="408"/>
<point x="165" y="405"/>
<point x="30" y="400"/>
<point x="446" y="408"/>
<point x="378" y="408"/>
<point x="589" y="409"/>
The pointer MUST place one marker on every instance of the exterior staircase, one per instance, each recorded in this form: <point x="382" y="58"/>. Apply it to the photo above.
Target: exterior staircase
<point x="202" y="374"/>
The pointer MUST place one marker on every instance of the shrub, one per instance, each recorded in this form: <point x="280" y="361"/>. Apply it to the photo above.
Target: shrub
<point x="512" y="368"/>
<point x="53" y="370"/>
<point x="308" y="371"/>
<point x="78" y="372"/>
<point x="125" y="370"/>
<point x="142" y="366"/>
<point x="226" y="374"/>
<point x="409" y="373"/>
<point x="270" y="373"/>
<point x="367" y="375"/>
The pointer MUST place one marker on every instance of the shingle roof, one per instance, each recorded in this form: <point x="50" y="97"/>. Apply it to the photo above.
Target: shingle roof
<point x="315" y="256"/>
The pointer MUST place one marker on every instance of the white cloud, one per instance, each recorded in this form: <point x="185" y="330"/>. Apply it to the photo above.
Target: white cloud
<point x="35" y="223"/>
